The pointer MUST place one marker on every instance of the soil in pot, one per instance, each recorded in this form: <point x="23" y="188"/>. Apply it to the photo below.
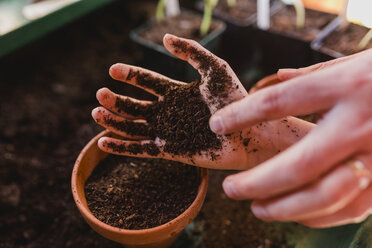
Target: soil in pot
<point x="346" y="41"/>
<point x="185" y="25"/>
<point x="284" y="21"/>
<point x="242" y="10"/>
<point x="133" y="193"/>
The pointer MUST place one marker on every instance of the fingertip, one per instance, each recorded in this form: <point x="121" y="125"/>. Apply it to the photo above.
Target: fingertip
<point x="168" y="42"/>
<point x="118" y="71"/>
<point x="102" y="143"/>
<point x="260" y="211"/>
<point x="95" y="113"/>
<point x="102" y="94"/>
<point x="168" y="37"/>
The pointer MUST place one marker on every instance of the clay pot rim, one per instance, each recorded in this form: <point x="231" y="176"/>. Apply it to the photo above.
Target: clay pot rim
<point x="266" y="81"/>
<point x="87" y="214"/>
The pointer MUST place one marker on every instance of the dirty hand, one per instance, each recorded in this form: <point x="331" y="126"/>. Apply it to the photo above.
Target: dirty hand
<point x="324" y="179"/>
<point x="135" y="120"/>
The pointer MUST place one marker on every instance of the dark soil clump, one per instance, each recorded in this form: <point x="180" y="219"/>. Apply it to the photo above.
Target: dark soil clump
<point x="242" y="10"/>
<point x="134" y="193"/>
<point x="185" y="25"/>
<point x="182" y="120"/>
<point x="346" y="41"/>
<point x="130" y="107"/>
<point x="133" y="128"/>
<point x="285" y="21"/>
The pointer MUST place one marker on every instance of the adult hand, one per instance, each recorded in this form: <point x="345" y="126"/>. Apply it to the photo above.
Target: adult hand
<point x="324" y="179"/>
<point x="129" y="117"/>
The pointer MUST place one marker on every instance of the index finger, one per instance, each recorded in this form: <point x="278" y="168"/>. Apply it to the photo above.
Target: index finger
<point x="286" y="74"/>
<point x="307" y="94"/>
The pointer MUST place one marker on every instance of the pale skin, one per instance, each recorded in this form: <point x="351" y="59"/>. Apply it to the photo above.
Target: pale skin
<point x="311" y="182"/>
<point x="265" y="140"/>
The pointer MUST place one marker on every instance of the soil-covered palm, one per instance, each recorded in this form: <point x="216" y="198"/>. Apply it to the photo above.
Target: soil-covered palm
<point x="176" y="126"/>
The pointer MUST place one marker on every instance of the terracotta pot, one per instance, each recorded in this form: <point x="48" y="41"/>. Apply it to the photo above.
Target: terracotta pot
<point x="160" y="236"/>
<point x="265" y="82"/>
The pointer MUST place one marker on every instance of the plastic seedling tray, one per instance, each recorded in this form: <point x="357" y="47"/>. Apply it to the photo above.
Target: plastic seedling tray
<point x="324" y="53"/>
<point x="283" y="50"/>
<point x="31" y="30"/>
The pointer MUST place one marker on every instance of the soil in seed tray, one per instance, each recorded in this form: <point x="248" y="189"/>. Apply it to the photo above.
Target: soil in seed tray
<point x="184" y="25"/>
<point x="133" y="193"/>
<point x="242" y="10"/>
<point x="285" y="21"/>
<point x="346" y="41"/>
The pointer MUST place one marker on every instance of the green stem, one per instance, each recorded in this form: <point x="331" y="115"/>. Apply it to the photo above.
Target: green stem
<point x="231" y="3"/>
<point x="365" y="41"/>
<point x="207" y="16"/>
<point x="160" y="9"/>
<point x="300" y="14"/>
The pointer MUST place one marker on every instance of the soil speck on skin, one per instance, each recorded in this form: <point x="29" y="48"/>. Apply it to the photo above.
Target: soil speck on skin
<point x="130" y="107"/>
<point x="219" y="81"/>
<point x="159" y="86"/>
<point x="246" y="141"/>
<point x="146" y="195"/>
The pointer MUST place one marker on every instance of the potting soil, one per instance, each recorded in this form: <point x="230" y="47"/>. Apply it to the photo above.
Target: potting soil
<point x="134" y="193"/>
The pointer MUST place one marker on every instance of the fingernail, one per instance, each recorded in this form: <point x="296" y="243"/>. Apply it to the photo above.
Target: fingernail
<point x="216" y="124"/>
<point x="260" y="212"/>
<point x="229" y="188"/>
<point x="364" y="182"/>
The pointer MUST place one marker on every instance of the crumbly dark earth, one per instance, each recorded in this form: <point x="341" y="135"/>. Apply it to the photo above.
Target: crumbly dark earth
<point x="182" y="121"/>
<point x="133" y="193"/>
<point x="185" y="25"/>
<point x="346" y="41"/>
<point x="285" y="21"/>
